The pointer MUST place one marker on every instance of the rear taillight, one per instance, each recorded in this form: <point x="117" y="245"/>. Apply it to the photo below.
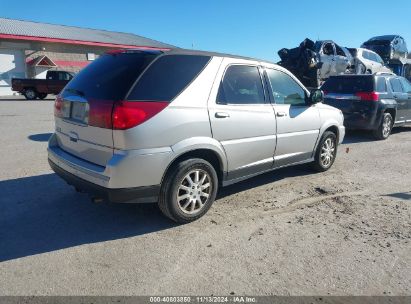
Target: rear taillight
<point x="119" y="115"/>
<point x="100" y="113"/>
<point x="368" y="96"/>
<point x="128" y="114"/>
<point x="58" y="106"/>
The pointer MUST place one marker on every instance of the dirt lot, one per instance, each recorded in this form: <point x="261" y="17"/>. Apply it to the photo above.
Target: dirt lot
<point x="290" y="232"/>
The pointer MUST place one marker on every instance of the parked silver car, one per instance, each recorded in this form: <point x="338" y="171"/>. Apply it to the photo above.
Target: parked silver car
<point x="174" y="126"/>
<point x="367" y="62"/>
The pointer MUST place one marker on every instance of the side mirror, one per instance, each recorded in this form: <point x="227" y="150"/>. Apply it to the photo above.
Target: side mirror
<point x="316" y="96"/>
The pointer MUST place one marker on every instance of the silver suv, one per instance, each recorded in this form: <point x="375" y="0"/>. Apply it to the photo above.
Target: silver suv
<point x="173" y="126"/>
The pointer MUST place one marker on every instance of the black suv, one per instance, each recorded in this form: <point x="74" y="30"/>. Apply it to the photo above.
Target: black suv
<point x="370" y="102"/>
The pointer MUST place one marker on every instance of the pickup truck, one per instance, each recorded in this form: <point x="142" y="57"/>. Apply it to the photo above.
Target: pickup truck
<point x="39" y="88"/>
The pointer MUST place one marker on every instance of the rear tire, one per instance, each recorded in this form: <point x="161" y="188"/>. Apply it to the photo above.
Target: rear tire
<point x="385" y="127"/>
<point x="188" y="190"/>
<point x="30" y="94"/>
<point x="326" y="152"/>
<point x="42" y="95"/>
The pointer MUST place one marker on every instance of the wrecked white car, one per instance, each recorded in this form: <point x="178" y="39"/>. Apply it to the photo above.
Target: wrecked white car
<point x="367" y="62"/>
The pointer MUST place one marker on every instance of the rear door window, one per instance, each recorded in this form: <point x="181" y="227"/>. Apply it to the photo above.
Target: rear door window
<point x="64" y="76"/>
<point x="167" y="77"/>
<point x="396" y="85"/>
<point x="110" y="76"/>
<point x="285" y="90"/>
<point x="241" y="85"/>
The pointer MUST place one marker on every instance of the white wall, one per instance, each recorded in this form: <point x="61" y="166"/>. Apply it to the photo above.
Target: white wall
<point x="12" y="65"/>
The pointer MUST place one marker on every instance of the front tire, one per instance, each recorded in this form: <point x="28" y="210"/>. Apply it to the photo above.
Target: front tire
<point x="385" y="127"/>
<point x="326" y="152"/>
<point x="188" y="190"/>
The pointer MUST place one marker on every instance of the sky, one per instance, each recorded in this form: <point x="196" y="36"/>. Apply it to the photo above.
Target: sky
<point x="255" y="28"/>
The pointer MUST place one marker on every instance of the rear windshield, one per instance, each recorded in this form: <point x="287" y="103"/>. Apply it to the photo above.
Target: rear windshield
<point x="167" y="77"/>
<point x="111" y="76"/>
<point x="348" y="85"/>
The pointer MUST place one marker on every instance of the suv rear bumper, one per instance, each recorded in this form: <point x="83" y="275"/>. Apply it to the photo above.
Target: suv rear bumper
<point x="132" y="176"/>
<point x="146" y="194"/>
<point x="366" y="120"/>
<point x="361" y="122"/>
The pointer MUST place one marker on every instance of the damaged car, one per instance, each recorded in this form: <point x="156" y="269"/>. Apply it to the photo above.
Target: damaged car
<point x="388" y="47"/>
<point x="367" y="62"/>
<point x="313" y="63"/>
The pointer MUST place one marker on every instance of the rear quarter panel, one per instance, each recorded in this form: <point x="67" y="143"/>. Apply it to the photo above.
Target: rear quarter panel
<point x="185" y="117"/>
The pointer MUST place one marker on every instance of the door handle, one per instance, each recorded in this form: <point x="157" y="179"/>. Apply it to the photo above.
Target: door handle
<point x="281" y="114"/>
<point x="221" y="115"/>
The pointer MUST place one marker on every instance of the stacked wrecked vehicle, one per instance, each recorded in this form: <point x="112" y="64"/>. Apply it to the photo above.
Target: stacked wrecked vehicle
<point x="313" y="63"/>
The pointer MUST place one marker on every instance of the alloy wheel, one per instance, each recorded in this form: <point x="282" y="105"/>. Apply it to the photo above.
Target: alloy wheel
<point x="386" y="126"/>
<point x="327" y="152"/>
<point x="30" y="94"/>
<point x="194" y="191"/>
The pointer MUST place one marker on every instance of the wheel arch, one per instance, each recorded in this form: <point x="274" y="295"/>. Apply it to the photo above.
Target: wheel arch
<point x="330" y="125"/>
<point x="29" y="88"/>
<point x="210" y="150"/>
<point x="392" y="111"/>
<point x="335" y="130"/>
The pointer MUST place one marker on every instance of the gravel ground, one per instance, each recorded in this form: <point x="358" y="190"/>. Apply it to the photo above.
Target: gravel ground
<point x="289" y="232"/>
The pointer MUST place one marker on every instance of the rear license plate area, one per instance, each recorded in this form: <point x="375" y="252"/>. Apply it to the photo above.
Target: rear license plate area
<point x="75" y="111"/>
<point x="78" y="111"/>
